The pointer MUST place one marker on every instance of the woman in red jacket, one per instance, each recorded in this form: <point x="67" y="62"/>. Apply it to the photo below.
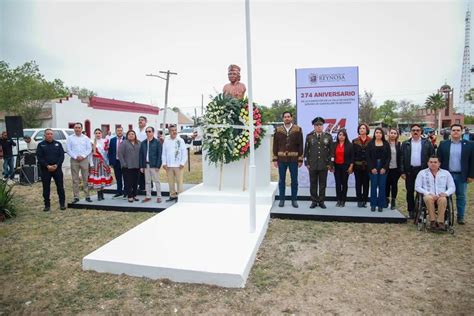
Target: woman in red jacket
<point x="343" y="154"/>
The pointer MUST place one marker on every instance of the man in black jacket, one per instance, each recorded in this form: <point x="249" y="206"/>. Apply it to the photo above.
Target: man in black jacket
<point x="50" y="155"/>
<point x="7" y="147"/>
<point x="457" y="156"/>
<point x="415" y="155"/>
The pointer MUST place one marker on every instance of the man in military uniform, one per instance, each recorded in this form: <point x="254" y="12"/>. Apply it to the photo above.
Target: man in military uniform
<point x="317" y="155"/>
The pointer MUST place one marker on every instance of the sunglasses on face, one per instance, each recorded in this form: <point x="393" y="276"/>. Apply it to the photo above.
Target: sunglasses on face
<point x="416" y="130"/>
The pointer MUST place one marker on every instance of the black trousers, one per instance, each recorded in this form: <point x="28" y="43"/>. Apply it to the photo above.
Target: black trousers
<point x="362" y="183"/>
<point x="131" y="181"/>
<point x="410" y="187"/>
<point x="341" y="176"/>
<point x="318" y="178"/>
<point x="57" y="175"/>
<point x="391" y="189"/>
<point x="141" y="181"/>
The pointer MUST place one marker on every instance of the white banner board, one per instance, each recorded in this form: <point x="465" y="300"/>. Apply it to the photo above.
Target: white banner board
<point x="333" y="94"/>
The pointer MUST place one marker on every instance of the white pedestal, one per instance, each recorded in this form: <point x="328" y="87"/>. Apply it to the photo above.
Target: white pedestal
<point x="204" y="238"/>
<point x="233" y="173"/>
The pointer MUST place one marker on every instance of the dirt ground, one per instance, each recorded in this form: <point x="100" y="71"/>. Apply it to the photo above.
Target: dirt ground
<point x="302" y="267"/>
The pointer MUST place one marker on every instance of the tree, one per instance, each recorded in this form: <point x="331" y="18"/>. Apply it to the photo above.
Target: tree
<point x="469" y="119"/>
<point x="407" y="112"/>
<point x="24" y="91"/>
<point x="387" y="112"/>
<point x="273" y="113"/>
<point x="367" y="110"/>
<point x="436" y="102"/>
<point x="82" y="93"/>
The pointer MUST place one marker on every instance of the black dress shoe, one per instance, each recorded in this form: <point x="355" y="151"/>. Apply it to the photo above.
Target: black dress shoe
<point x="364" y="204"/>
<point x="116" y="195"/>
<point x="322" y="205"/>
<point x="282" y="203"/>
<point x="372" y="208"/>
<point x="75" y="200"/>
<point x="343" y="203"/>
<point x="359" y="204"/>
<point x="171" y="199"/>
<point x="338" y="203"/>
<point x="62" y="207"/>
<point x="46" y="209"/>
<point x="393" y="205"/>
<point x="88" y="199"/>
<point x="294" y="204"/>
<point x="313" y="204"/>
<point x="380" y="209"/>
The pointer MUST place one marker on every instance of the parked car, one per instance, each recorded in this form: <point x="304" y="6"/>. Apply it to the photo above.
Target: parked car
<point x="187" y="134"/>
<point x="37" y="134"/>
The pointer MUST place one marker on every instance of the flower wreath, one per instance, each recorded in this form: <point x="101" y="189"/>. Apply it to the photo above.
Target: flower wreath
<point x="228" y="144"/>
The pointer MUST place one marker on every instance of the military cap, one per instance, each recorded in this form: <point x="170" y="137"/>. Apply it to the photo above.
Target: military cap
<point x="318" y="120"/>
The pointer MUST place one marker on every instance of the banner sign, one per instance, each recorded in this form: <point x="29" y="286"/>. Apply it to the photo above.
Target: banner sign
<point x="333" y="94"/>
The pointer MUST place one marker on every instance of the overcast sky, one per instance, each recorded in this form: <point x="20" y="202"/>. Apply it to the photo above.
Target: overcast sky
<point x="404" y="49"/>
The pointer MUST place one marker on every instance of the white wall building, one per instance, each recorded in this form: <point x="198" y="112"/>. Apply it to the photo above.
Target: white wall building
<point x="105" y="114"/>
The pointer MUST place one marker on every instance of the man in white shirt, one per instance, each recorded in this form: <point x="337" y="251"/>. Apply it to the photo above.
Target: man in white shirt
<point x="174" y="158"/>
<point x="79" y="147"/>
<point x="436" y="185"/>
<point x="142" y="125"/>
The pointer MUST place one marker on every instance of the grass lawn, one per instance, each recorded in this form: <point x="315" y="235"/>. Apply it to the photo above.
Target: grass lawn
<point x="303" y="267"/>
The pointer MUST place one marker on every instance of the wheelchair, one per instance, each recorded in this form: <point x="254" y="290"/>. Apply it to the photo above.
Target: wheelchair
<point x="421" y="214"/>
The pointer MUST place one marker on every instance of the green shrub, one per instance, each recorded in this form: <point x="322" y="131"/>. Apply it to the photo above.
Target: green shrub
<point x="7" y="205"/>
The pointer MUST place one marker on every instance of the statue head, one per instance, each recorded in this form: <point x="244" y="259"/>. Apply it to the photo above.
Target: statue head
<point x="233" y="73"/>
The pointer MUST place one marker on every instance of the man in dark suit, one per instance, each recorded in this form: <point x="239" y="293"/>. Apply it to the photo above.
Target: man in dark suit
<point x="457" y="156"/>
<point x="415" y="155"/>
<point x="114" y="145"/>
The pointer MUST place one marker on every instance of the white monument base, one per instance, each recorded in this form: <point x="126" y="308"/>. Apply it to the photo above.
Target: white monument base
<point x="188" y="242"/>
<point x="205" y="237"/>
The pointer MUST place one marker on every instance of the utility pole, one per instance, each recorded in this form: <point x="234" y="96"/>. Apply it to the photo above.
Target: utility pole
<point x="202" y="104"/>
<point x="167" y="79"/>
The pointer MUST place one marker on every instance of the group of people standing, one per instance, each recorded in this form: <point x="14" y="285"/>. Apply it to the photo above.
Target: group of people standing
<point x="377" y="161"/>
<point x="135" y="157"/>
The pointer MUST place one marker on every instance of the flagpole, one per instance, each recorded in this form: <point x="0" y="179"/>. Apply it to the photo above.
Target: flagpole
<point x="252" y="168"/>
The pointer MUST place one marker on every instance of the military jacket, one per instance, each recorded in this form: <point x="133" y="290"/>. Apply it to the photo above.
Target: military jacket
<point x="317" y="152"/>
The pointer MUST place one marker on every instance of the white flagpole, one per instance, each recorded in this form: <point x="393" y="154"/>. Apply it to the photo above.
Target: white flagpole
<point x="252" y="168"/>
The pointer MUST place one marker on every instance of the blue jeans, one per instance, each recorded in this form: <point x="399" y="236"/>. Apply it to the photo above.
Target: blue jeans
<point x="377" y="187"/>
<point x="461" y="188"/>
<point x="293" y="166"/>
<point x="8" y="170"/>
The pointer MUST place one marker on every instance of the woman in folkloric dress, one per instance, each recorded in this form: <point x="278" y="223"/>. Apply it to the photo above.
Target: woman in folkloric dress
<point x="99" y="170"/>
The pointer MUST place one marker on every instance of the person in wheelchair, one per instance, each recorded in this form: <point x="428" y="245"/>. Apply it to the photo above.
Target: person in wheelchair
<point x="436" y="185"/>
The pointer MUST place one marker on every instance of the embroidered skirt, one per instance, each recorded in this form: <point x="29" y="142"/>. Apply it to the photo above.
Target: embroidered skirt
<point x="99" y="173"/>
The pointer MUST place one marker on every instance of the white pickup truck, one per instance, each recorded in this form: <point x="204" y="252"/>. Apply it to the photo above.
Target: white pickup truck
<point x="37" y="134"/>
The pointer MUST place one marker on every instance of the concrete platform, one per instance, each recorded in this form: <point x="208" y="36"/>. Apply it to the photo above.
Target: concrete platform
<point x="164" y="189"/>
<point x="122" y="205"/>
<point x="188" y="242"/>
<point x="206" y="194"/>
<point x="304" y="195"/>
<point x="349" y="213"/>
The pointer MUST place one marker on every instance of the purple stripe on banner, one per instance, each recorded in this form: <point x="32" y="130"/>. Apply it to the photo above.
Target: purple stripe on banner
<point x="352" y="85"/>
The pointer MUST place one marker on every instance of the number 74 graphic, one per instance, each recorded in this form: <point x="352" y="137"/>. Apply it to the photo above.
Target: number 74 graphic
<point x="332" y="127"/>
